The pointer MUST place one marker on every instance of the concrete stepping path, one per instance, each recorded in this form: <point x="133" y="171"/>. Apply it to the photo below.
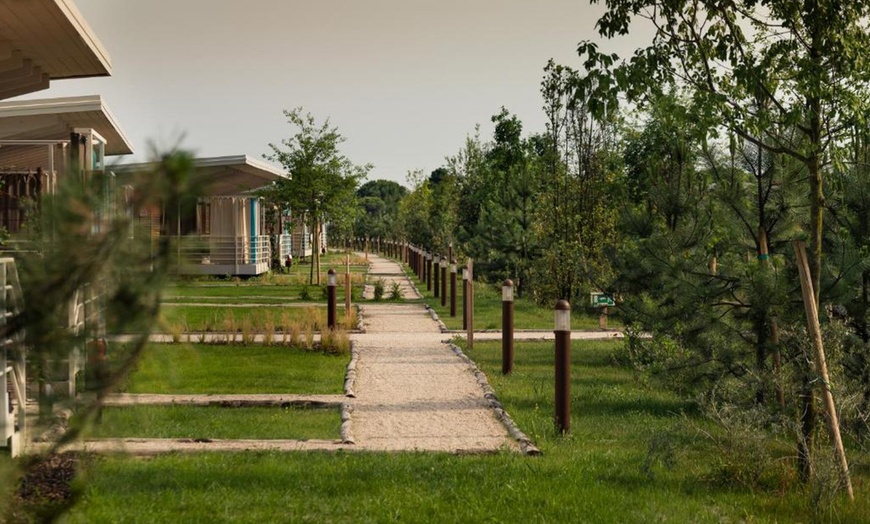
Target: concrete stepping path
<point x="412" y="391"/>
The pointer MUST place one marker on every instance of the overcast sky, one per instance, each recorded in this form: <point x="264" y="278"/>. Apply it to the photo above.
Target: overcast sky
<point x="404" y="80"/>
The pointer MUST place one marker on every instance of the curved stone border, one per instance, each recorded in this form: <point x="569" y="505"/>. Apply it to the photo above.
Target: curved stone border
<point x="350" y="375"/>
<point x="434" y="316"/>
<point x="411" y="281"/>
<point x="346" y="435"/>
<point x="359" y="328"/>
<point x="360" y="318"/>
<point x="526" y="445"/>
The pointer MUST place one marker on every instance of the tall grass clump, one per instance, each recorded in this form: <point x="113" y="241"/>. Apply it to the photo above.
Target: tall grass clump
<point x="351" y="318"/>
<point x="247" y="331"/>
<point x="379" y="289"/>
<point x="395" y="291"/>
<point x="314" y="317"/>
<point x="335" y="342"/>
<point x="295" y="330"/>
<point x="229" y="328"/>
<point x="268" y="330"/>
<point x="309" y="337"/>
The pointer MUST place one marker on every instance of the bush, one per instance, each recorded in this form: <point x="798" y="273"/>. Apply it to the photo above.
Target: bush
<point x="379" y="289"/>
<point x="395" y="291"/>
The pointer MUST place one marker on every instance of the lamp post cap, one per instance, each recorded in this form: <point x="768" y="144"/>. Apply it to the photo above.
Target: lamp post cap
<point x="563" y="305"/>
<point x="508" y="283"/>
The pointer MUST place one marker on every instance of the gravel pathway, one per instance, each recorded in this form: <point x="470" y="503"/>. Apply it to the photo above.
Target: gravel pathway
<point x="391" y="272"/>
<point x="412" y="391"/>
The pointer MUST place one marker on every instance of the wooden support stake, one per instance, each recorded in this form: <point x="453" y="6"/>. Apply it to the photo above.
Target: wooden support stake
<point x="822" y="366"/>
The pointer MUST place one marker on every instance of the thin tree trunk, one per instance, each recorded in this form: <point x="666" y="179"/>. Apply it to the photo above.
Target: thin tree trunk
<point x="817" y="200"/>
<point x="317" y="249"/>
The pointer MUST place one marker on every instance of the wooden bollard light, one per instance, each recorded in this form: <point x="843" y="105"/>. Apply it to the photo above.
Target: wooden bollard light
<point x="436" y="263"/>
<point x="330" y="300"/>
<point x="464" y="299"/>
<point x="507" y="327"/>
<point x="452" y="288"/>
<point x="428" y="266"/>
<point x="347" y="286"/>
<point x="563" y="366"/>
<point x="443" y="282"/>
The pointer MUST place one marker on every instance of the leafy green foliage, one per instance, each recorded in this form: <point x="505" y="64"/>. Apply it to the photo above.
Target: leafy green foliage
<point x="322" y="183"/>
<point x="379" y="200"/>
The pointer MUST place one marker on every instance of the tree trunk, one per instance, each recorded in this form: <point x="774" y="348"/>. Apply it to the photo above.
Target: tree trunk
<point x="817" y="201"/>
<point x="316" y="260"/>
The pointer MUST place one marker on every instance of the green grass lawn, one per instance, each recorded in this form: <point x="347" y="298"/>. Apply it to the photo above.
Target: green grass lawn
<point x="239" y="318"/>
<point x="206" y="368"/>
<point x="596" y="474"/>
<point x="257" y="293"/>
<point x="488" y="310"/>
<point x="215" y="422"/>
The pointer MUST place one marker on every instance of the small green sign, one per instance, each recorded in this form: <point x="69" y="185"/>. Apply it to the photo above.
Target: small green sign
<point x="601" y="299"/>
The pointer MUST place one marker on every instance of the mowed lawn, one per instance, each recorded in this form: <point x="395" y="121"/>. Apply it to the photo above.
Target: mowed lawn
<point x="216" y="422"/>
<point x="635" y="454"/>
<point x="488" y="310"/>
<point x="209" y="368"/>
<point x="254" y="318"/>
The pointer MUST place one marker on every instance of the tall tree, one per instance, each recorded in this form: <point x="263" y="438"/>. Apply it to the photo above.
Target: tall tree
<point x="380" y="209"/>
<point x="579" y="160"/>
<point x="788" y="76"/>
<point x="322" y="181"/>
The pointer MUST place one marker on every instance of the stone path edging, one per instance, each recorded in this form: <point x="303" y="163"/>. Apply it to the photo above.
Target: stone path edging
<point x="526" y="445"/>
<point x="350" y="374"/>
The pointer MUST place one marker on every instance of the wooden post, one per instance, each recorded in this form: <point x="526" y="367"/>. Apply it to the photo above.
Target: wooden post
<point x="347" y="285"/>
<point x="470" y="302"/>
<point x="809" y="298"/>
<point x="602" y="318"/>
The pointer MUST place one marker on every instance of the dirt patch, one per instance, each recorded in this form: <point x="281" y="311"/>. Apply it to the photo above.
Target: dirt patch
<point x="46" y="489"/>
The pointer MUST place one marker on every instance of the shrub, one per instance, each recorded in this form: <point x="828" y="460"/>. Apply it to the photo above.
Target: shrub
<point x="395" y="291"/>
<point x="379" y="289"/>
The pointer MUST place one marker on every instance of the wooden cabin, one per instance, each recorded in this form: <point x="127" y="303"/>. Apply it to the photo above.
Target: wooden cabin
<point x="41" y="140"/>
<point x="41" y="41"/>
<point x="226" y="233"/>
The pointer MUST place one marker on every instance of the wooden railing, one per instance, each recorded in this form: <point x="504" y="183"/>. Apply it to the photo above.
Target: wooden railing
<point x="12" y="362"/>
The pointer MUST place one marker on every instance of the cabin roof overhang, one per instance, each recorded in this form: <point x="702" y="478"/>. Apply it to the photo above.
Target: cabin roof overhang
<point x="54" y="119"/>
<point x="225" y="175"/>
<point x="44" y="40"/>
